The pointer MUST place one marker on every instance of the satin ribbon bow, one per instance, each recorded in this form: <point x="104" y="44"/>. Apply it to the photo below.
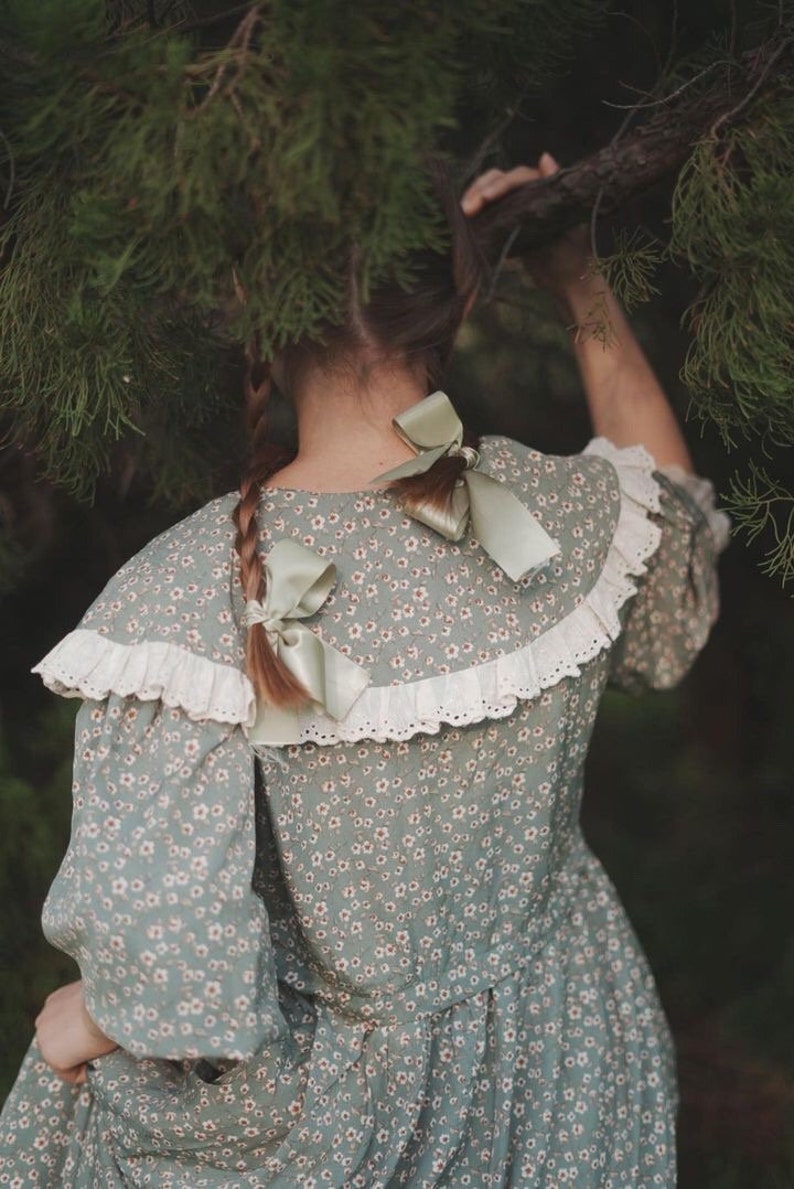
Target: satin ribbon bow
<point x="507" y="531"/>
<point x="298" y="583"/>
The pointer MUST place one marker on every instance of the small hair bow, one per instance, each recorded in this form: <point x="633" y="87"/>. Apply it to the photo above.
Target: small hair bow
<point x="298" y="583"/>
<point x="507" y="531"/>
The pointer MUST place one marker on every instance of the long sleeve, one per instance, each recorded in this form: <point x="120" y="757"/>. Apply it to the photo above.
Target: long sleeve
<point x="154" y="897"/>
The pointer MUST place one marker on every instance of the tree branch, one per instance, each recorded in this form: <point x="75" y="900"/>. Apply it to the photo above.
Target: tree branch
<point x="614" y="175"/>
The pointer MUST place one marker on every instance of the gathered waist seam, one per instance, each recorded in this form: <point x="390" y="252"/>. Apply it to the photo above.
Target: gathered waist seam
<point x="429" y="997"/>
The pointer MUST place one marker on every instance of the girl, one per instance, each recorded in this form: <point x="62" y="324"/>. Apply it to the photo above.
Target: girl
<point x="335" y="918"/>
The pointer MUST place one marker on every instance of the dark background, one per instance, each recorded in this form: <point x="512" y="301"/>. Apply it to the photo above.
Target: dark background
<point x="689" y="793"/>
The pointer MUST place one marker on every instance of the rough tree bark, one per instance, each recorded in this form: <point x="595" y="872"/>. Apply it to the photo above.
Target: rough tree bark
<point x="541" y="211"/>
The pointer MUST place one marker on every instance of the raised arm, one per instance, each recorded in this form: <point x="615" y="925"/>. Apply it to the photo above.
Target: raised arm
<point x="626" y="402"/>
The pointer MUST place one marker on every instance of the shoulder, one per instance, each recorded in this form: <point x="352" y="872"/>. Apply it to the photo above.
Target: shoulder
<point x="602" y="504"/>
<point x="591" y="474"/>
<point x="588" y="501"/>
<point x="165" y="626"/>
<point x="599" y="472"/>
<point x="192" y="547"/>
<point x="177" y="588"/>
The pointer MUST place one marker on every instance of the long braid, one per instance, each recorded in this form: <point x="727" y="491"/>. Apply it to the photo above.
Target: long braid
<point x="271" y="678"/>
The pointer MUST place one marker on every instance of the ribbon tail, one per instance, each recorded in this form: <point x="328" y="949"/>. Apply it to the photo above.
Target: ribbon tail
<point x="274" y="726"/>
<point x="507" y="531"/>
<point x="332" y="680"/>
<point x="344" y="681"/>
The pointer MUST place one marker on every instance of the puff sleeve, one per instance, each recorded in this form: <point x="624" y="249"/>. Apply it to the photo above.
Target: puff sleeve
<point x="154" y="897"/>
<point x="666" y="622"/>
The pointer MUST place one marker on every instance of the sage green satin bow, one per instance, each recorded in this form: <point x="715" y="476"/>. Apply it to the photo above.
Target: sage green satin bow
<point x="298" y="583"/>
<point x="507" y="531"/>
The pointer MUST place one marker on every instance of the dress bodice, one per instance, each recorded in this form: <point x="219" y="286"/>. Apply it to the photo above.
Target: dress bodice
<point x="400" y="964"/>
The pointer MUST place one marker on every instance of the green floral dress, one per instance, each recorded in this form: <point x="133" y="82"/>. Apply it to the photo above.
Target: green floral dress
<point x="393" y="962"/>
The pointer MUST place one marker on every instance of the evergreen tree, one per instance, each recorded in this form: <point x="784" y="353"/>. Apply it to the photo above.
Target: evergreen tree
<point x="160" y="159"/>
<point x="179" y="176"/>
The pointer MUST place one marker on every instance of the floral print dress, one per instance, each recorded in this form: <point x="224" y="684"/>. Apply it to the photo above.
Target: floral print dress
<point x="390" y="959"/>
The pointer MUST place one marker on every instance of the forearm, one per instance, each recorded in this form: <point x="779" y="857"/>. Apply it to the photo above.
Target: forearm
<point x="626" y="402"/>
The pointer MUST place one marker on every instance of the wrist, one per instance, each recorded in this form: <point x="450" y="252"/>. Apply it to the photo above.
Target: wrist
<point x="592" y="313"/>
<point x="93" y="1029"/>
<point x="580" y="292"/>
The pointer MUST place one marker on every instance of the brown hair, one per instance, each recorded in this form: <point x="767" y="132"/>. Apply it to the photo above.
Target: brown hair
<point x="417" y="326"/>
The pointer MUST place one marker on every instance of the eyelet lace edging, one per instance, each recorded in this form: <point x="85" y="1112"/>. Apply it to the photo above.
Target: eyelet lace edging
<point x="88" y="664"/>
<point x="492" y="689"/>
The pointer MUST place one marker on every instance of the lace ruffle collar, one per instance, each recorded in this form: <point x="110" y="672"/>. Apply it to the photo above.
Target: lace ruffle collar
<point x="90" y="664"/>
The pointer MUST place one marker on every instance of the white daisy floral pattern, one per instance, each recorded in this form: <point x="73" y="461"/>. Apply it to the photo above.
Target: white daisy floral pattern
<point x="383" y="956"/>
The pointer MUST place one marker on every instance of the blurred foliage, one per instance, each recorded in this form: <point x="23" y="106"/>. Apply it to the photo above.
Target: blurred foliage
<point x="697" y="835"/>
<point x="35" y="809"/>
<point x="733" y="222"/>
<point x="174" y="187"/>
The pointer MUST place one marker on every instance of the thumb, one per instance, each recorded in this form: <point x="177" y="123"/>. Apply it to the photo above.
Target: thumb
<point x="547" y="165"/>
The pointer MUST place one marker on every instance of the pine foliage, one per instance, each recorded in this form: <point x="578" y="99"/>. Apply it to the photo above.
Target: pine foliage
<point x="631" y="267"/>
<point x="181" y="175"/>
<point x="733" y="223"/>
<point x="764" y="507"/>
<point x="155" y="175"/>
<point x="733" y="220"/>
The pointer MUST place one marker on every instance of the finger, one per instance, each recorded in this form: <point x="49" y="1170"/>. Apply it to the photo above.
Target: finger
<point x="484" y="178"/>
<point x="473" y="196"/>
<point x="499" y="184"/>
<point x="547" y="164"/>
<point x="75" y="1077"/>
<point x="510" y="181"/>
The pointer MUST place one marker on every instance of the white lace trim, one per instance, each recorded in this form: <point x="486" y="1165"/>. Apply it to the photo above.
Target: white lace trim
<point x="493" y="689"/>
<point x="87" y="665"/>
<point x="702" y="492"/>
